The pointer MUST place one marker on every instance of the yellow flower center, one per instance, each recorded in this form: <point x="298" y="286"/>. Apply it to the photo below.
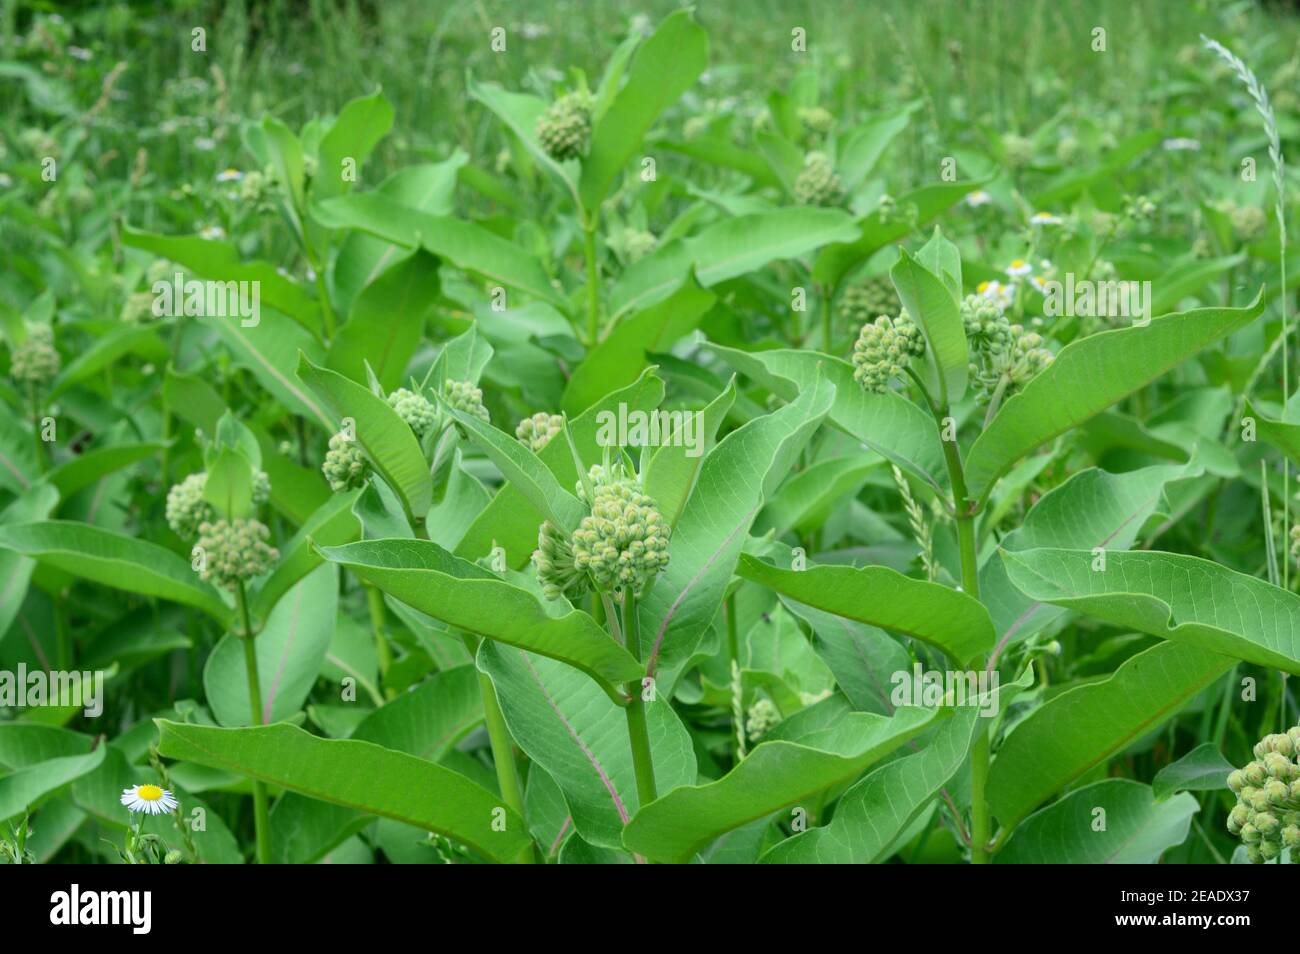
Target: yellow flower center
<point x="150" y="793"/>
<point x="1018" y="263"/>
<point x="982" y="287"/>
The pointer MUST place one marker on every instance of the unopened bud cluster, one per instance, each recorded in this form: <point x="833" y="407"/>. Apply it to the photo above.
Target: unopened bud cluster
<point x="883" y="350"/>
<point x="415" y="409"/>
<point x="536" y="431"/>
<point x="345" y="465"/>
<point x="762" y="717"/>
<point x="564" y="129"/>
<point x="817" y="183"/>
<point x="35" y="361"/>
<point x="1267" y="815"/>
<point x="619" y="546"/>
<point x="465" y="396"/>
<point x="860" y="304"/>
<point x="234" y="551"/>
<point x="1003" y="355"/>
<point x="186" y="509"/>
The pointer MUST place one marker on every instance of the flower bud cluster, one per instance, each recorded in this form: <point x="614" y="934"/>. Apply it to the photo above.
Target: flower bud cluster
<point x="1267" y="815"/>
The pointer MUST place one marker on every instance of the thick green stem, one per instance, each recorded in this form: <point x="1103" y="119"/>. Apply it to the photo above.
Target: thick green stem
<point x="637" y="733"/>
<point x="593" y="284"/>
<point x="375" y="603"/>
<point x="261" y="806"/>
<point x="827" y="337"/>
<point x="970" y="584"/>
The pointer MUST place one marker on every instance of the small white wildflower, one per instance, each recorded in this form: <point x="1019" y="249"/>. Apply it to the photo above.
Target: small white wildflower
<point x="204" y="143"/>
<point x="80" y="53"/>
<point x="1019" y="268"/>
<point x="1181" y="144"/>
<point x="229" y="175"/>
<point x="212" y="232"/>
<point x="977" y="198"/>
<point x="149" y="799"/>
<point x="1044" y="218"/>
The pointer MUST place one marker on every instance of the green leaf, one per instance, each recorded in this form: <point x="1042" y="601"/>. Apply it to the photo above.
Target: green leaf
<point x="860" y="150"/>
<point x="1138" y="829"/>
<point x="360" y="125"/>
<point x="466" y="245"/>
<point x="526" y="472"/>
<point x="16" y="569"/>
<point x="359" y="775"/>
<point x="332" y="524"/>
<point x="740" y="245"/>
<point x="1088" y="376"/>
<point x="1204" y="769"/>
<point x="115" y="560"/>
<point x="290" y="650"/>
<point x="734" y="483"/>
<point x="888" y="423"/>
<point x="945" y="618"/>
<point x="663" y="68"/>
<point x="142" y="340"/>
<point x="672" y="470"/>
<point x="1185" y="599"/>
<point x="88" y="468"/>
<point x="424" y="575"/>
<point x="386" y="321"/>
<point x="1072" y="733"/>
<point x="578" y="736"/>
<point x="1280" y="433"/>
<point x="930" y="302"/>
<point x="28" y="787"/>
<point x="775" y="774"/>
<point x="520" y="112"/>
<point x="388" y="441"/>
<point x="871" y="815"/>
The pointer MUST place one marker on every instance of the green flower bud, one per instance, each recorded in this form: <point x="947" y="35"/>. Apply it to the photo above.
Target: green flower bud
<point x="536" y="431"/>
<point x="414" y="409"/>
<point x="882" y="351"/>
<point x="763" y="716"/>
<point x="1254" y="855"/>
<point x="1291" y="837"/>
<point x="817" y="183"/>
<point x="564" y="129"/>
<point x="1017" y="150"/>
<point x="466" y="397"/>
<point x="1256" y="774"/>
<point x="600" y="478"/>
<point x="345" y="465"/>
<point x="1249" y="222"/>
<point x="859" y="304"/>
<point x="1250" y="835"/>
<point x="186" y="508"/>
<point x="623" y="542"/>
<point x="988" y="330"/>
<point x="816" y="120"/>
<point x="1240" y="814"/>
<point x="172" y="857"/>
<point x="553" y="560"/>
<point x="1236" y="780"/>
<point x="1260" y="801"/>
<point x="1269" y="850"/>
<point x="1267" y="824"/>
<point x="35" y="361"/>
<point x="234" y="551"/>
<point x="1279" y="766"/>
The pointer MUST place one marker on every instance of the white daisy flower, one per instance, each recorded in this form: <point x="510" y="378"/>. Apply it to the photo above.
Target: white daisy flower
<point x="80" y="53"/>
<point x="1044" y="218"/>
<point x="204" y="143"/>
<point x="229" y="175"/>
<point x="1181" y="144"/>
<point x="212" y="232"/>
<point x="995" y="292"/>
<point x="149" y="799"/>
<point x="1040" y="283"/>
<point x="977" y="198"/>
<point x="1019" y="268"/>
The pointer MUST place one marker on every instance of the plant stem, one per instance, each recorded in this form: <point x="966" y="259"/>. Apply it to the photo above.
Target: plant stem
<point x="375" y="603"/>
<point x="637" y="733"/>
<point x="970" y="584"/>
<point x="261" y="808"/>
<point x="825" y="296"/>
<point x="36" y="426"/>
<point x="593" y="284"/>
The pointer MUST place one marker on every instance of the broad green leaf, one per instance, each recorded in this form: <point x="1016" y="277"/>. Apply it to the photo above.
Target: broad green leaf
<point x="945" y="618"/>
<point x="1074" y="732"/>
<point x="17" y="454"/>
<point x="746" y="243"/>
<point x="462" y="594"/>
<point x="520" y="112"/>
<point x="663" y="67"/>
<point x="888" y="424"/>
<point x="15" y="568"/>
<point x="360" y="125"/>
<point x="860" y="150"/>
<point x="1282" y="434"/>
<point x="229" y="486"/>
<point x="23" y="744"/>
<point x="388" y="441"/>
<point x="578" y="736"/>
<point x="1088" y="376"/>
<point x="805" y="500"/>
<point x="359" y="775"/>
<point x="510" y="521"/>
<point x="931" y="304"/>
<point x="526" y="472"/>
<point x="140" y="340"/>
<point x="1073" y="183"/>
<point x="115" y="560"/>
<point x="193" y="400"/>
<point x="386" y="321"/>
<point x="85" y="469"/>
<point x="1190" y="601"/>
<point x="290" y="649"/>
<point x="1138" y="828"/>
<point x="332" y="524"/>
<point x="872" y="814"/>
<point x="620" y="357"/>
<point x="27" y="787"/>
<point x="1204" y="769"/>
<point x="219" y="261"/>
<point x="428" y="720"/>
<point x="735" y="481"/>
<point x="466" y="245"/>
<point x="775" y="774"/>
<point x="672" y="470"/>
